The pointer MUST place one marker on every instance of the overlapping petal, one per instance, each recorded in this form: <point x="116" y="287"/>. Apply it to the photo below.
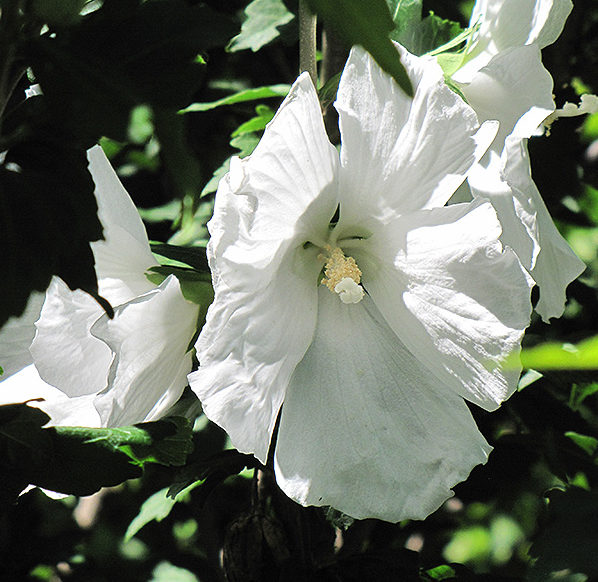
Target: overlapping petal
<point x="149" y="337"/>
<point x="64" y="351"/>
<point x="16" y="336"/>
<point x="412" y="153"/>
<point x="123" y="257"/>
<point x="366" y="428"/>
<point x="513" y="88"/>
<point x="63" y="411"/>
<point x="453" y="296"/>
<point x="504" y="24"/>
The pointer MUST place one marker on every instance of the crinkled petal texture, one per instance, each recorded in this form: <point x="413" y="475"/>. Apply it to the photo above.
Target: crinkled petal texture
<point x="263" y="316"/>
<point x="366" y="427"/>
<point x="16" y="336"/>
<point x="63" y="411"/>
<point x="504" y="24"/>
<point x="149" y="337"/>
<point x="400" y="154"/>
<point x="453" y="296"/>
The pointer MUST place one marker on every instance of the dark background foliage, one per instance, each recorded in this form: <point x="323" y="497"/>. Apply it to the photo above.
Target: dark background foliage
<point x="122" y="73"/>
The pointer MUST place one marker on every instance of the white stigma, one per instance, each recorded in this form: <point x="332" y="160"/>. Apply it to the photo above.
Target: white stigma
<point x="349" y="291"/>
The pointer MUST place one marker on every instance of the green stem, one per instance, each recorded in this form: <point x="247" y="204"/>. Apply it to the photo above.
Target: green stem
<point x="307" y="41"/>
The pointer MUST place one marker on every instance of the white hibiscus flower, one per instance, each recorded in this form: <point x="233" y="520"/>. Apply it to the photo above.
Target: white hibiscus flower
<point x="350" y="296"/>
<point x="502" y="78"/>
<point x="123" y="370"/>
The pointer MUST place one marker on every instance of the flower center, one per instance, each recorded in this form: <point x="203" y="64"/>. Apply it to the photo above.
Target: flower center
<point x="342" y="275"/>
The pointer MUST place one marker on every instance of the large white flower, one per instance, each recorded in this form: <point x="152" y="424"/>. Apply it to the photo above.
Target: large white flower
<point x="418" y="307"/>
<point x="129" y="369"/>
<point x="502" y="78"/>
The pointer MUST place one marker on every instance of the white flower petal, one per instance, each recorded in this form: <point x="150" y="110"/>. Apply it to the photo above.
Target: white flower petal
<point x="456" y="299"/>
<point x="149" y="337"/>
<point x="64" y="351"/>
<point x="263" y="315"/>
<point x="413" y="153"/>
<point x="16" y="336"/>
<point x="364" y="427"/>
<point x="123" y="257"/>
<point x="556" y="265"/>
<point x="63" y="411"/>
<point x="510" y="23"/>
<point x="291" y="173"/>
<point x="515" y="89"/>
<point x="249" y="346"/>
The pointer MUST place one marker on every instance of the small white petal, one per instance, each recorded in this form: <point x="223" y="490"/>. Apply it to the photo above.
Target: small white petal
<point x="513" y="88"/>
<point x="63" y="411"/>
<point x="504" y="24"/>
<point x="64" y="351"/>
<point x="556" y="265"/>
<point x="123" y="257"/>
<point x="149" y="337"/>
<point x="364" y="426"/>
<point x="16" y="336"/>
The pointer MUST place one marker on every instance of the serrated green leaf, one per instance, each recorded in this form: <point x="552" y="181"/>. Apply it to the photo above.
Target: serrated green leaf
<point x="243" y="96"/>
<point x="367" y="23"/>
<point x="263" y="18"/>
<point x="157" y="507"/>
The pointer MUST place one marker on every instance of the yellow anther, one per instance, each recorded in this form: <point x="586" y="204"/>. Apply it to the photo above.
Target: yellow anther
<point x="338" y="267"/>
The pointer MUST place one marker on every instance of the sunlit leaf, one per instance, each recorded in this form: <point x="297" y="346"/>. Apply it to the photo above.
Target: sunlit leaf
<point x="263" y="20"/>
<point x="241" y="97"/>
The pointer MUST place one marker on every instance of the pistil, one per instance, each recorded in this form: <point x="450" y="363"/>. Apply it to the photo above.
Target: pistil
<point x="342" y="275"/>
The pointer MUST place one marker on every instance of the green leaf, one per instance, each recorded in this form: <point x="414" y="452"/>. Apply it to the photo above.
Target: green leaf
<point x="157" y="507"/>
<point x="195" y="257"/>
<point x="367" y="23"/>
<point x="559" y="356"/>
<point x="196" y="287"/>
<point x="166" y="572"/>
<point x="417" y="34"/>
<point x="261" y="25"/>
<point x="81" y="460"/>
<point x="257" y="123"/>
<point x="439" y="573"/>
<point x="579" y="392"/>
<point x="241" y="97"/>
<point x="587" y="443"/>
